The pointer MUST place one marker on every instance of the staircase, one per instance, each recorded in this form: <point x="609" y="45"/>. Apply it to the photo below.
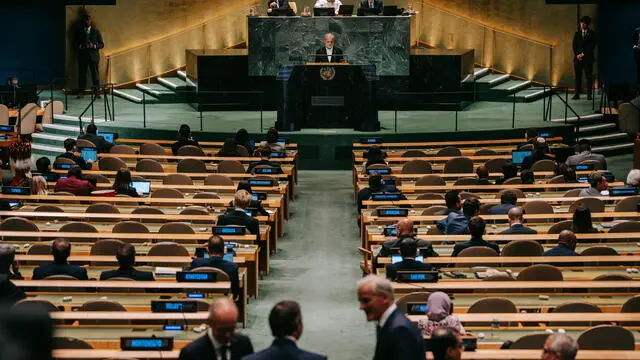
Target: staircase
<point x="604" y="135"/>
<point x="166" y="90"/>
<point x="493" y="86"/>
<point x="50" y="142"/>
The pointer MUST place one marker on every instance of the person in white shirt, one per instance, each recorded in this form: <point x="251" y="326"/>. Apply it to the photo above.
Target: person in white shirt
<point x="328" y="4"/>
<point x="329" y="53"/>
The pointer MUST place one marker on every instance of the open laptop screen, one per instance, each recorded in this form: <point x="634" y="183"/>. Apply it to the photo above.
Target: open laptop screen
<point x="517" y="157"/>
<point x="142" y="187"/>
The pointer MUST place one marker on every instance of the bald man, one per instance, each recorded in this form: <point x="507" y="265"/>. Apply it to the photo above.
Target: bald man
<point x="61" y="250"/>
<point x="405" y="231"/>
<point x="8" y="264"/>
<point x="567" y="242"/>
<point x="516" y="220"/>
<point x="329" y="53"/>
<point x="222" y="342"/>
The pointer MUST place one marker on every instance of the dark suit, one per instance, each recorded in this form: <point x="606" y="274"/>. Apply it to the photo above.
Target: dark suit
<point x="77" y="159"/>
<point x="230" y="268"/>
<point x="236" y="217"/>
<point x="9" y="292"/>
<point x="88" y="58"/>
<point x="101" y="144"/>
<point x="399" y="339"/>
<point x="182" y="142"/>
<point x="203" y="349"/>
<point x="528" y="161"/>
<point x="282" y="4"/>
<point x="406" y="265"/>
<point x="636" y="52"/>
<point x="377" y="4"/>
<point x="562" y="250"/>
<point x="584" y="45"/>
<point x="130" y="273"/>
<point x="45" y="270"/>
<point x="457" y="248"/>
<point x="337" y="56"/>
<point x="518" y="229"/>
<point x="284" y="349"/>
<point x="264" y="162"/>
<point x="501" y="209"/>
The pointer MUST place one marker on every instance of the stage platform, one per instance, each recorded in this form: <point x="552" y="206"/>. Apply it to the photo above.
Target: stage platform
<point x="320" y="148"/>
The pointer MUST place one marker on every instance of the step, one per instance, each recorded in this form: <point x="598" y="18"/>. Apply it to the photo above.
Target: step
<point x="63" y="130"/>
<point x="159" y="91"/>
<point x="43" y="138"/>
<point x="597" y="127"/>
<point x="604" y="149"/>
<point x="182" y="74"/>
<point x="532" y="94"/>
<point x="73" y="120"/>
<point x="492" y="80"/>
<point x="583" y="119"/>
<point x="612" y="137"/>
<point x="46" y="150"/>
<point x="134" y="95"/>
<point x="173" y="83"/>
<point x="479" y="72"/>
<point x="512" y="86"/>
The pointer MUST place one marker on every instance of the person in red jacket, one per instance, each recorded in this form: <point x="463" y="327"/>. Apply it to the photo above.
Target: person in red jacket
<point x="74" y="183"/>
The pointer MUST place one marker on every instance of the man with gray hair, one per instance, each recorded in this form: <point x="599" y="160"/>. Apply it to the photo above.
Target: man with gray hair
<point x="397" y="337"/>
<point x="8" y="264"/>
<point x="329" y="53"/>
<point x="633" y="178"/>
<point x="559" y="347"/>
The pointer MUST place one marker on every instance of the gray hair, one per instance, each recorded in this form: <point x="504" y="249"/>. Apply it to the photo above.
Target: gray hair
<point x="329" y="34"/>
<point x="379" y="286"/>
<point x="563" y="345"/>
<point x="515" y="212"/>
<point x="633" y="178"/>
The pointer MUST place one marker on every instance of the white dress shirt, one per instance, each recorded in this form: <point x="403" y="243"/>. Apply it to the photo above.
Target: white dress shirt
<point x="329" y="53"/>
<point x="217" y="346"/>
<point x="386" y="314"/>
<point x="326" y="4"/>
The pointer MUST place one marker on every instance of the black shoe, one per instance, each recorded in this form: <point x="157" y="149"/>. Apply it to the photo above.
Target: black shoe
<point x="589" y="97"/>
<point x="576" y="97"/>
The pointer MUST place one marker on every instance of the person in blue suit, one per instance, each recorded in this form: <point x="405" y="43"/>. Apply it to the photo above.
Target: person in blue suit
<point x="61" y="250"/>
<point x="216" y="249"/>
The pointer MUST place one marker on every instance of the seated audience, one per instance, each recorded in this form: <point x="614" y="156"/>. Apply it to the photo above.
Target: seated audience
<point x="9" y="292"/>
<point x="509" y="170"/>
<point x="70" y="153"/>
<point x="91" y="134"/>
<point x="61" y="250"/>
<point x="216" y="250"/>
<point x="439" y="315"/>
<point x="446" y="344"/>
<point x="375" y="186"/>
<point x="255" y="204"/>
<point x="531" y="135"/>
<point x="559" y="346"/>
<point x="265" y="152"/>
<point x="540" y="152"/>
<point x="184" y="138"/>
<point x="271" y="141"/>
<point x="229" y="149"/>
<point x="374" y="155"/>
<point x="43" y="165"/>
<point x="405" y="231"/>
<point x="328" y="4"/>
<point x="452" y="201"/>
<point x="515" y="215"/>
<point x="285" y="321"/>
<point x="582" y="223"/>
<point x="126" y="256"/>
<point x="567" y="242"/>
<point x="408" y="251"/>
<point x="508" y="200"/>
<point x="38" y="185"/>
<point x="456" y="223"/>
<point x="242" y="139"/>
<point x="569" y="175"/>
<point x="122" y="183"/>
<point x="633" y="178"/>
<point x="597" y="182"/>
<point x="74" y="183"/>
<point x="238" y="216"/>
<point x="584" y="153"/>
<point x="483" y="175"/>
<point x="476" y="229"/>
<point x="9" y="266"/>
<point x="527" y="177"/>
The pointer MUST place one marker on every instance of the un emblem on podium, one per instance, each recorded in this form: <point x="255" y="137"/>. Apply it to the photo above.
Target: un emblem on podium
<point x="327" y="72"/>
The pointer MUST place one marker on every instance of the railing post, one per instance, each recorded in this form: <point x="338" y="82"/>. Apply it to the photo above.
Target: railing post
<point x="113" y="103"/>
<point x="93" y="99"/>
<point x="144" y="110"/>
<point x="395" y="116"/>
<point x="456" y="118"/>
<point x="544" y="102"/>
<point x="513" y="114"/>
<point x="201" y="129"/>
<point x="261" y="98"/>
<point x="566" y="103"/>
<point x="51" y="93"/>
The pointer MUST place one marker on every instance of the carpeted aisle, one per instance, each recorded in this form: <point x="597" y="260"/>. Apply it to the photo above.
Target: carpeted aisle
<point x="317" y="265"/>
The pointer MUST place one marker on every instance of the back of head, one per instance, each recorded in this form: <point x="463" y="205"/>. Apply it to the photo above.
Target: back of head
<point x="526" y="177"/>
<point x="229" y="145"/>
<point x="242" y="199"/>
<point x="215" y="245"/>
<point x="75" y="172"/>
<point x="69" y="144"/>
<point x="509" y="197"/>
<point x="244" y="185"/>
<point x="594" y="179"/>
<point x="272" y="135"/>
<point x="569" y="175"/>
<point x="405" y="227"/>
<point x="568" y="238"/>
<point x="265" y="152"/>
<point x="531" y="133"/>
<point x="443" y="339"/>
<point x="375" y="155"/>
<point x="482" y="172"/>
<point x="7" y="256"/>
<point x="470" y="207"/>
<point x="285" y="319"/>
<point x="563" y="345"/>
<point x="375" y="181"/>
<point x="43" y="164"/>
<point x="516" y="213"/>
<point x="476" y="226"/>
<point x="123" y="178"/>
<point x="582" y="220"/>
<point x="584" y="145"/>
<point x="184" y="132"/>
<point x="92" y="129"/>
<point x="452" y="199"/>
<point x="540" y="145"/>
<point x="409" y="248"/>
<point x="509" y="170"/>
<point x="61" y="250"/>
<point x="242" y="137"/>
<point x="126" y="255"/>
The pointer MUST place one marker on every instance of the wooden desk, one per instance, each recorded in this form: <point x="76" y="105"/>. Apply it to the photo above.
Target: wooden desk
<point x="13" y="113"/>
<point x="168" y="143"/>
<point x="538" y="318"/>
<point x="478" y="143"/>
<point x="544" y="287"/>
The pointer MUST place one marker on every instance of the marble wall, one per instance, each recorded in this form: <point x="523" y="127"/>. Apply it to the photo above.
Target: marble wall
<point x="279" y="41"/>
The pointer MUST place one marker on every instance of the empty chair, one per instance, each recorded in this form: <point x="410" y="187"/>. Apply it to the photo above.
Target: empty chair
<point x="537" y="207"/>
<point x="220" y="275"/>
<point x="606" y="337"/>
<point x="130" y="227"/>
<point x="19" y="224"/>
<point x="575" y="307"/>
<point x="543" y="165"/>
<point x="177" y="179"/>
<point x="79" y="226"/>
<point x="485" y="152"/>
<point x="449" y="151"/>
<point x="572" y="193"/>
<point x="414" y="297"/>
<point x="111" y="163"/>
<point x="530" y="342"/>
<point x="466" y="181"/>
<point x="27" y="123"/>
<point x="458" y="165"/>
<point x="148" y="210"/>
<point x="632" y="305"/>
<point x="167" y="249"/>
<point x="34" y="306"/>
<point x="512" y="181"/>
<point x="102" y="305"/>
<point x="519" y="193"/>
<point x="556" y="180"/>
<point x="198" y="210"/>
<point x="612" y="277"/>
<point x="149" y="165"/>
<point x="628" y="205"/>
<point x="152" y="149"/>
<point x="430" y="196"/>
<point x="231" y="167"/>
<point x="559" y="226"/>
<point x="478" y="251"/>
<point x="39" y="249"/>
<point x="430" y="180"/>
<point x="190" y="150"/>
<point x="218" y="180"/>
<point x="206" y="195"/>
<point x="105" y="247"/>
<point x="522" y="248"/>
<point x="593" y="204"/>
<point x="122" y="149"/>
<point x="495" y="305"/>
<point x="191" y="165"/>
<point x="540" y="272"/>
<point x="102" y="208"/>
<point x="82" y="143"/>
<point x="176" y="228"/>
<point x="48" y="208"/>
<point x="413" y="153"/>
<point x="167" y="193"/>
<point x="47" y="117"/>
<point x="626" y="226"/>
<point x="432" y="210"/>
<point x="597" y="165"/>
<point x="599" y="251"/>
<point x="59" y="343"/>
<point x="417" y="166"/>
<point x="495" y="165"/>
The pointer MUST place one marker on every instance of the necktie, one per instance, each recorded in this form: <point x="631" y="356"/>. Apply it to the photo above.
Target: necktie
<point x="223" y="352"/>
<point x="370" y="4"/>
<point x="378" y="329"/>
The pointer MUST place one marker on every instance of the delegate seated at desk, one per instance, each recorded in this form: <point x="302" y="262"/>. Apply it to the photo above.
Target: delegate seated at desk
<point x="61" y="250"/>
<point x="238" y="216"/>
<point x="408" y="251"/>
<point x="372" y="4"/>
<point x="322" y="4"/>
<point x="216" y="249"/>
<point x="329" y="53"/>
<point x="126" y="256"/>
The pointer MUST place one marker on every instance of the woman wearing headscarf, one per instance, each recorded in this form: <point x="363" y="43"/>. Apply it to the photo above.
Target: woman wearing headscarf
<point x="439" y="314"/>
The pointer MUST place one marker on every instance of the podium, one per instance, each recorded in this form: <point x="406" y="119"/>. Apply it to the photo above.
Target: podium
<point x="327" y="95"/>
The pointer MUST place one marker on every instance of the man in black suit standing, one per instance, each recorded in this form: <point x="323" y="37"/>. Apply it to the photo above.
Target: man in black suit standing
<point x="636" y="52"/>
<point x="285" y="320"/>
<point x="397" y="337"/>
<point x="222" y="342"/>
<point x="126" y="256"/>
<point x="88" y="42"/>
<point x="372" y="4"/>
<point x="216" y="248"/>
<point x="238" y="216"/>
<point x="408" y="251"/>
<point x="584" y="44"/>
<point x="61" y="250"/>
<point x="516" y="218"/>
<point x="329" y="53"/>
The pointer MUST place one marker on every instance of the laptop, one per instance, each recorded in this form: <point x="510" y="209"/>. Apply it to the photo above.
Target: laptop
<point x="368" y="12"/>
<point x="517" y="156"/>
<point x="398" y="258"/>
<point x="346" y="10"/>
<point x="142" y="187"/>
<point x="89" y="154"/>
<point x="281" y="12"/>
<point x="324" y="11"/>
<point x="390" y="10"/>
<point x="110" y="137"/>
<point x="61" y="166"/>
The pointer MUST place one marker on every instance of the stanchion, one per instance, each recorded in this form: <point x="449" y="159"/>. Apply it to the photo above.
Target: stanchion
<point x="144" y="110"/>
